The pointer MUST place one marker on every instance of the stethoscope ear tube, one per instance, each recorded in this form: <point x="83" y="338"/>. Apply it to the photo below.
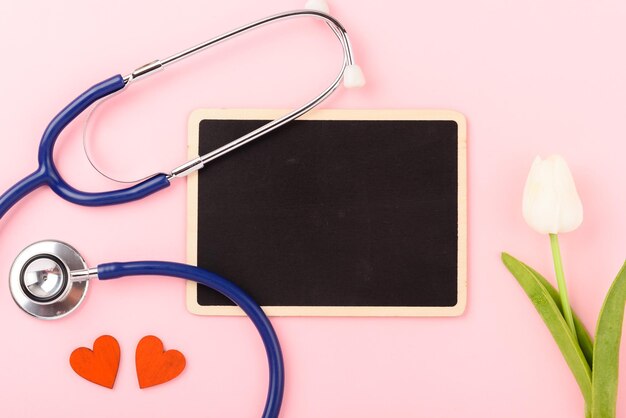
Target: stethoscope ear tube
<point x="50" y="175"/>
<point x="234" y="293"/>
<point x="47" y="173"/>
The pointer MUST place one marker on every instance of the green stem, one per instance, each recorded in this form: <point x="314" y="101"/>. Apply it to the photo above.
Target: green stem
<point x="560" y="279"/>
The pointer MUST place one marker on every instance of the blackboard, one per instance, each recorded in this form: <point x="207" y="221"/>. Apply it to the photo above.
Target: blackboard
<point x="346" y="213"/>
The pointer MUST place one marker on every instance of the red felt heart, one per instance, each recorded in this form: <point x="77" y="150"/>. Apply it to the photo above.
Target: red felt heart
<point x="99" y="365"/>
<point x="154" y="365"/>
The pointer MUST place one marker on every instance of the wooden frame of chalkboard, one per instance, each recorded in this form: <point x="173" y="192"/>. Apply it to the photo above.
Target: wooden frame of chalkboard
<point x="333" y="115"/>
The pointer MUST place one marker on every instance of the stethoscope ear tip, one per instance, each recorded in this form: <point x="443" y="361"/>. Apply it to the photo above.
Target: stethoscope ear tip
<point x="317" y="5"/>
<point x="353" y="77"/>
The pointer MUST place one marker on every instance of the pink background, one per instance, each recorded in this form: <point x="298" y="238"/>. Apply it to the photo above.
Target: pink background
<point x="532" y="77"/>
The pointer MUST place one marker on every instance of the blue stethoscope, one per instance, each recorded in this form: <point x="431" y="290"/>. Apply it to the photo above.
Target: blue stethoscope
<point x="49" y="279"/>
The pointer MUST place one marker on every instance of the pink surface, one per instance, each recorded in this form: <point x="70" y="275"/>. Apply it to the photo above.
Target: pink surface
<point x="532" y="77"/>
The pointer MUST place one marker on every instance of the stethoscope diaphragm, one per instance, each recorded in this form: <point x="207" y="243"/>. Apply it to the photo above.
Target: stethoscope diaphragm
<point x="40" y="279"/>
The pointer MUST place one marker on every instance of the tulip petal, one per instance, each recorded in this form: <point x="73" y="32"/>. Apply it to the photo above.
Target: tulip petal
<point x="571" y="213"/>
<point x="550" y="202"/>
<point x="540" y="200"/>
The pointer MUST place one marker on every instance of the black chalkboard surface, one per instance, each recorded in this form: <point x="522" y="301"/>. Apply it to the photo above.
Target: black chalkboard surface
<point x="339" y="213"/>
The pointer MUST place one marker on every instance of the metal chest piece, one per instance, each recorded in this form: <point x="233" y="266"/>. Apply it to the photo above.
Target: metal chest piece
<point x="40" y="279"/>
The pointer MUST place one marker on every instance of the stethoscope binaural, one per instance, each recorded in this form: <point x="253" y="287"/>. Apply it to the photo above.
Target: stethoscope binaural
<point x="49" y="279"/>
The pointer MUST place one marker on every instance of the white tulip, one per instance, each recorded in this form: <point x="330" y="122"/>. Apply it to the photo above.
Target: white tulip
<point x="551" y="203"/>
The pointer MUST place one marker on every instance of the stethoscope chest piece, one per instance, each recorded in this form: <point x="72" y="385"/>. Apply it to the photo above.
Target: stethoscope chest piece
<point x="41" y="283"/>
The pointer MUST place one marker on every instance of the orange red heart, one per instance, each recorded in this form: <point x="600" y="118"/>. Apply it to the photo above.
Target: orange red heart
<point x="99" y="365"/>
<point x="155" y="365"/>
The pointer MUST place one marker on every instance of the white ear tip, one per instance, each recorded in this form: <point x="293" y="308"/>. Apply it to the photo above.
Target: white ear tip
<point x="353" y="77"/>
<point x="318" y="5"/>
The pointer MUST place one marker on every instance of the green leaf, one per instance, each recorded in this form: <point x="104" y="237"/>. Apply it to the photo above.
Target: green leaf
<point x="553" y="318"/>
<point x="584" y="339"/>
<point x="606" y="349"/>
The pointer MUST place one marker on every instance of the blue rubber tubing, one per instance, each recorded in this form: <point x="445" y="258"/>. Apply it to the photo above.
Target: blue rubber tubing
<point x="47" y="173"/>
<point x="231" y="291"/>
